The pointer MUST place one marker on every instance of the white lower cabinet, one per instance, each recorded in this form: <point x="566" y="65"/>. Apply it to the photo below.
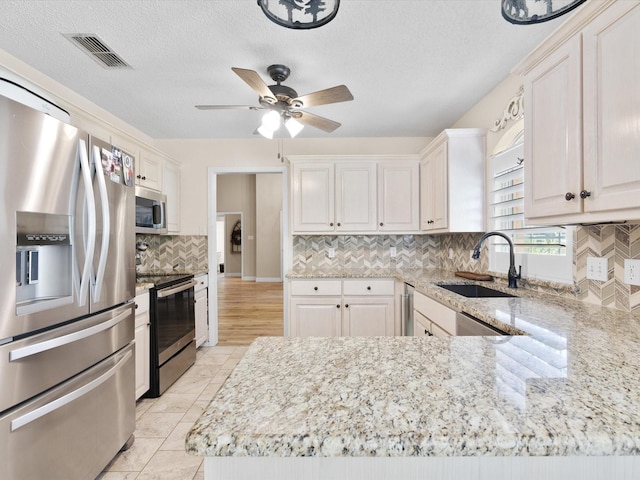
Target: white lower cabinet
<point x="432" y="318"/>
<point x="342" y="307"/>
<point x="201" y="309"/>
<point x="142" y="338"/>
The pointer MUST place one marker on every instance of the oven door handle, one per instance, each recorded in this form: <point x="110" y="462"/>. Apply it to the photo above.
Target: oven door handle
<point x="177" y="289"/>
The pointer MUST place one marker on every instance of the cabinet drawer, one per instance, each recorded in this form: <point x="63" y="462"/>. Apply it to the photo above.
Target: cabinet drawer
<point x="368" y="287"/>
<point x="142" y="303"/>
<point x="439" y="314"/>
<point x="316" y="287"/>
<point x="203" y="282"/>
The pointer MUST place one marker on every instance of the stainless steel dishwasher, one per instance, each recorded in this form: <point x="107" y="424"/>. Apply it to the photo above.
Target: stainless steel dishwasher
<point x="406" y="303"/>
<point x="466" y="325"/>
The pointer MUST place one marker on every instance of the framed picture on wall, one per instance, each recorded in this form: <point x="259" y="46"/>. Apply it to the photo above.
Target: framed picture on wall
<point x="236" y="238"/>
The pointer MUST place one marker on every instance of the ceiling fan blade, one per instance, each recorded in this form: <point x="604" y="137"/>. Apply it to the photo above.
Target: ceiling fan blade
<point x="336" y="94"/>
<point x="227" y="107"/>
<point x="254" y="80"/>
<point x="316" y="121"/>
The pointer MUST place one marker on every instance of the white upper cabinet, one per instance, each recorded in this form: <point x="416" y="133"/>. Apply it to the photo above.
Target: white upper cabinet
<point x="399" y="196"/>
<point x="582" y="140"/>
<point x="452" y="182"/>
<point x="149" y="171"/>
<point x="313" y="197"/>
<point x="171" y="188"/>
<point x="611" y="86"/>
<point x="355" y="190"/>
<point x="355" y="194"/>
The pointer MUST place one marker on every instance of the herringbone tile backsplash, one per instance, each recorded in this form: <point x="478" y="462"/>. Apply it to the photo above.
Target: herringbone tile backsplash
<point x="182" y="253"/>
<point x="374" y="251"/>
<point x="449" y="252"/>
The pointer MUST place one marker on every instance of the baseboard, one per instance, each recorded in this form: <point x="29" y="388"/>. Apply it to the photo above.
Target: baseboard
<point x="249" y="279"/>
<point x="269" y="279"/>
<point x="232" y="274"/>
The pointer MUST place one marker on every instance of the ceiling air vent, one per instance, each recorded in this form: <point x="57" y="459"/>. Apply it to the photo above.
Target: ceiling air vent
<point x="98" y="50"/>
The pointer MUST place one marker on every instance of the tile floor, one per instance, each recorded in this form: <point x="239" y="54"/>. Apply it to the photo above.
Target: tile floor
<point x="162" y="423"/>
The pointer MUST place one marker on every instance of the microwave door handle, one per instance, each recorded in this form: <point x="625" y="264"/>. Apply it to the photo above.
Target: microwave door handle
<point x="89" y="222"/>
<point x="106" y="223"/>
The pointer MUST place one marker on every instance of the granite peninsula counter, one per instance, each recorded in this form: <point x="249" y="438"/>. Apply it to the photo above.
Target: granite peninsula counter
<point x="562" y="401"/>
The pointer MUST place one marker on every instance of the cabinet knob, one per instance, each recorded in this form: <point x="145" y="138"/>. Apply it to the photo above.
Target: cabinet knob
<point x="136" y="306"/>
<point x="426" y="332"/>
<point x="346" y="306"/>
<point x="315" y="288"/>
<point x="338" y="223"/>
<point x="331" y="224"/>
<point x="337" y="306"/>
<point x="569" y="196"/>
<point x="144" y="178"/>
<point x="381" y="224"/>
<point x="585" y="194"/>
<point x="138" y="176"/>
<point x="368" y="288"/>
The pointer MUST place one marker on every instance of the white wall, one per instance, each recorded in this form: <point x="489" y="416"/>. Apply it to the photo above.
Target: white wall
<point x="268" y="235"/>
<point x="237" y="193"/>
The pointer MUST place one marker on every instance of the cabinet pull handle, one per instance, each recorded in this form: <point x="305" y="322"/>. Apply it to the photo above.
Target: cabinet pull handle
<point x="584" y="194"/>
<point x="426" y="332"/>
<point x="569" y="196"/>
<point x="315" y="288"/>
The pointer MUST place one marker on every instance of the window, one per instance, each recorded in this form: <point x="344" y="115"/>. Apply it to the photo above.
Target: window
<point x="545" y="253"/>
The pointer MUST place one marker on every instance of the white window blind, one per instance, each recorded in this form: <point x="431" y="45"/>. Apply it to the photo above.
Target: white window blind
<point x="507" y="209"/>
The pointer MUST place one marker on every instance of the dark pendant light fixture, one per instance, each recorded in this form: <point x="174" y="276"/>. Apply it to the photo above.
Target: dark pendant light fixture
<point x="300" y="14"/>
<point x="524" y="12"/>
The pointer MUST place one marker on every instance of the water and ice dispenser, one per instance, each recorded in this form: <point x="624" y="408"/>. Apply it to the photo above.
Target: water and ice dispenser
<point x="43" y="261"/>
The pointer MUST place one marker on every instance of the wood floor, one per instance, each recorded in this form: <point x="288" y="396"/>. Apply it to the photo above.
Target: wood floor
<point x="247" y="310"/>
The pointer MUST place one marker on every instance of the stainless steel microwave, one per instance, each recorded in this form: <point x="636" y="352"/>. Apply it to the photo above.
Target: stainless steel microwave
<point x="151" y="211"/>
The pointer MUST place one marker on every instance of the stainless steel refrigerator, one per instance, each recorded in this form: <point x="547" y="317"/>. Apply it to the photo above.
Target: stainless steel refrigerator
<point x="67" y="283"/>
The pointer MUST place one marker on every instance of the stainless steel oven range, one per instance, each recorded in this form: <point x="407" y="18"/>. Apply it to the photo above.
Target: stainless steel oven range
<point x="173" y="328"/>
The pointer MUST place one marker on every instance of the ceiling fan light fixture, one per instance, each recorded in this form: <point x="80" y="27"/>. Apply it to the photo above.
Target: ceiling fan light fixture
<point x="300" y="14"/>
<point x="265" y="132"/>
<point x="293" y="126"/>
<point x="527" y="12"/>
<point x="271" y="120"/>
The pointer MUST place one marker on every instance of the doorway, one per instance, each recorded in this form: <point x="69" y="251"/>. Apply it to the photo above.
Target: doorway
<point x="285" y="241"/>
<point x="229" y="244"/>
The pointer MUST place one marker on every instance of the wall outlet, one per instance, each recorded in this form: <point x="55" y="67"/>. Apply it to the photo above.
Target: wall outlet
<point x="331" y="253"/>
<point x="451" y="255"/>
<point x="597" y="269"/>
<point x="393" y="251"/>
<point x="632" y="272"/>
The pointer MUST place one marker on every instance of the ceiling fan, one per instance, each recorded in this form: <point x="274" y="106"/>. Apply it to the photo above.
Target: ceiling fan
<point x="284" y="104"/>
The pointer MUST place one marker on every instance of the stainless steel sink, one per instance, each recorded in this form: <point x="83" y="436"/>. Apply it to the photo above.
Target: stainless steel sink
<point x="474" y="291"/>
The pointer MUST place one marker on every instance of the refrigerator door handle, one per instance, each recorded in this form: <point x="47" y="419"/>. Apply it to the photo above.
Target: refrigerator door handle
<point x="68" y="398"/>
<point x="37" y="348"/>
<point x="90" y="225"/>
<point x="106" y="223"/>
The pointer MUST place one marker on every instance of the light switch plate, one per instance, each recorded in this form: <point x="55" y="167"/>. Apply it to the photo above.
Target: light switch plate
<point x="597" y="269"/>
<point x="632" y="272"/>
<point x="331" y="253"/>
<point x="393" y="252"/>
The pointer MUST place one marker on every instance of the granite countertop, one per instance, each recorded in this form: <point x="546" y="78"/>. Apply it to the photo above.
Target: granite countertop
<point x="568" y="387"/>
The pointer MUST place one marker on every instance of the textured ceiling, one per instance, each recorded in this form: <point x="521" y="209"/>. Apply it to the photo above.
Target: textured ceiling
<point x="413" y="66"/>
